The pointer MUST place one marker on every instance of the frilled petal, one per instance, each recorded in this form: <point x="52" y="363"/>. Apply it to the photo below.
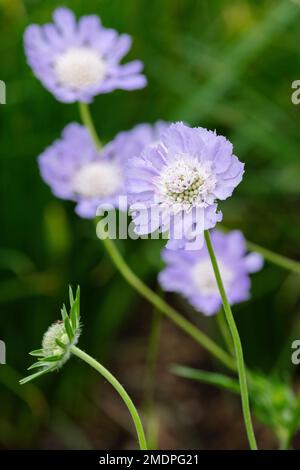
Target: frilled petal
<point x="235" y="243"/>
<point x="188" y="170"/>
<point x="65" y="21"/>
<point x="89" y="29"/>
<point x="182" y="139"/>
<point x="253" y="262"/>
<point x="120" y="48"/>
<point x="46" y="45"/>
<point x="190" y="272"/>
<point x="61" y="163"/>
<point x="212" y="216"/>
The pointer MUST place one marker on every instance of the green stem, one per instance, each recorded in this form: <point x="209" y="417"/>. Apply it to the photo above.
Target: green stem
<point x="119" y="388"/>
<point x="87" y="120"/>
<point x="223" y="328"/>
<point x="137" y="284"/>
<point x="161" y="305"/>
<point x="237" y="345"/>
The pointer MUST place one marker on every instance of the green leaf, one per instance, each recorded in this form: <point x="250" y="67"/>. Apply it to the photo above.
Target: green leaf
<point x="64" y="312"/>
<point x="34" y="376"/>
<point x="68" y="328"/>
<point x="211" y="378"/>
<point x="73" y="315"/>
<point x="78" y="302"/>
<point x="36" y="365"/>
<point x="60" y="344"/>
<point x="52" y="358"/>
<point x="71" y="297"/>
<point x="37" y="352"/>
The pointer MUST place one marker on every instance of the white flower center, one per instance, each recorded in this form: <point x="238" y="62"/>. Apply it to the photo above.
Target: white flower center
<point x="186" y="183"/>
<point x="204" y="278"/>
<point x="97" y="179"/>
<point x="79" y="68"/>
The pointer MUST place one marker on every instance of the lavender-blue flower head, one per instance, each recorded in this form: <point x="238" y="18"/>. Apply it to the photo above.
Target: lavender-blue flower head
<point x="190" y="273"/>
<point x="175" y="184"/>
<point x="76" y="170"/>
<point x="79" y="60"/>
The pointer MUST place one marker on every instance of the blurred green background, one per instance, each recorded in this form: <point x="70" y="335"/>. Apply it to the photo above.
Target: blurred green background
<point x="222" y="64"/>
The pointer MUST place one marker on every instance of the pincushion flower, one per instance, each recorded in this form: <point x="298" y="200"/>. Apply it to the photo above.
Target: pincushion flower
<point x="191" y="273"/>
<point x="175" y="184"/>
<point x="58" y="341"/>
<point x="79" y="60"/>
<point x="76" y="170"/>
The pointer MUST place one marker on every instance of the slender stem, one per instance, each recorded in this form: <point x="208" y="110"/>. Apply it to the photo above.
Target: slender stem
<point x="87" y="120"/>
<point x="163" y="306"/>
<point x="119" y="388"/>
<point x="237" y="345"/>
<point x="223" y="328"/>
<point x="138" y="284"/>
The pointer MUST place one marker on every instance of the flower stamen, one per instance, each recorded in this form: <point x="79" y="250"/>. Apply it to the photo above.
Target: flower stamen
<point x="80" y="68"/>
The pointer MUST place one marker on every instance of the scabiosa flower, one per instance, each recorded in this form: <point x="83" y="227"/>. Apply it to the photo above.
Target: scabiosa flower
<point x="175" y="183"/>
<point x="191" y="273"/>
<point x="76" y="170"/>
<point x="79" y="60"/>
<point x="58" y="341"/>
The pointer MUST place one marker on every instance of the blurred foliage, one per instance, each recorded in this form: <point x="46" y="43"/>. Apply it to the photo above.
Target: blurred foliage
<point x="223" y="64"/>
<point x="274" y="402"/>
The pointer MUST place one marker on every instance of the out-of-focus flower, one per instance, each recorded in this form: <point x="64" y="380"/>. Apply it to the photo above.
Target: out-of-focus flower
<point x="57" y="341"/>
<point x="79" y="60"/>
<point x="175" y="183"/>
<point x="75" y="169"/>
<point x="190" y="273"/>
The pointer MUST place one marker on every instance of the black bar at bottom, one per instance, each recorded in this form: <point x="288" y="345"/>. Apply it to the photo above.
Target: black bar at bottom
<point x="132" y="459"/>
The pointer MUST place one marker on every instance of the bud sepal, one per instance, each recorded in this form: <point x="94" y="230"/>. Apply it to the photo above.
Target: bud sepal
<point x="58" y="340"/>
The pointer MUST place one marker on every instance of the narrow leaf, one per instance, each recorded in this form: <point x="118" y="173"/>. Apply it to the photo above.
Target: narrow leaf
<point x="64" y="312"/>
<point x="37" y="352"/>
<point x="34" y="376"/>
<point x="78" y="302"/>
<point x="60" y="344"/>
<point x="71" y="297"/>
<point x="73" y="315"/>
<point x="52" y="358"/>
<point x="211" y="378"/>
<point x="36" y="365"/>
<point x="68" y="328"/>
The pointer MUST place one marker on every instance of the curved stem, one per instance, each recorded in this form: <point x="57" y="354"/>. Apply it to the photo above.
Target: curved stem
<point x="237" y="345"/>
<point x="136" y="282"/>
<point x="87" y="120"/>
<point x="119" y="388"/>
<point x="225" y="333"/>
<point x="161" y="305"/>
